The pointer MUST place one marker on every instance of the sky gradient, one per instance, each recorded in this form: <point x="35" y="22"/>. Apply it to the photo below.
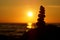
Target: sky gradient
<point x="16" y="10"/>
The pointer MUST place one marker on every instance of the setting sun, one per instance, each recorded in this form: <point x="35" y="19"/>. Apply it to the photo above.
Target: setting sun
<point x="30" y="14"/>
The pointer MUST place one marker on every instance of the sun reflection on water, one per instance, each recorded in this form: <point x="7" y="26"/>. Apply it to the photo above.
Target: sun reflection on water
<point x="30" y="26"/>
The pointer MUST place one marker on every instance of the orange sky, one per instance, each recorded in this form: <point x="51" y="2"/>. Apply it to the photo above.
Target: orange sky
<point x="16" y="10"/>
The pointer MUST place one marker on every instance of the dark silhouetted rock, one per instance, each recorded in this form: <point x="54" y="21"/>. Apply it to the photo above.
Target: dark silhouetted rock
<point x="41" y="17"/>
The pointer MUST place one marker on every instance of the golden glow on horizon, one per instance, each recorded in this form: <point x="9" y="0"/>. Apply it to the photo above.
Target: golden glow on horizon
<point x="26" y="11"/>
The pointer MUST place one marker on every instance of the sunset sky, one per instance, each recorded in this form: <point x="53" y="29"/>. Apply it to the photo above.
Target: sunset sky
<point x="16" y="11"/>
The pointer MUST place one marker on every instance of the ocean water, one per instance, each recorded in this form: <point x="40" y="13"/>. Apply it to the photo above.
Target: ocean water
<point x="12" y="29"/>
<point x="57" y="24"/>
<point x="16" y="29"/>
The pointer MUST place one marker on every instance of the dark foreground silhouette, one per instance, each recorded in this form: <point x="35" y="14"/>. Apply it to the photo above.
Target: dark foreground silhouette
<point x="50" y="32"/>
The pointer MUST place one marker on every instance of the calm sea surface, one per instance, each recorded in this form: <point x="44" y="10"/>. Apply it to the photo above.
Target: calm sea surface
<point x="15" y="29"/>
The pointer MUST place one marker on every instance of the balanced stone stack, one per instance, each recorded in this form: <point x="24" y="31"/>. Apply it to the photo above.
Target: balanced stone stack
<point x="41" y="16"/>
